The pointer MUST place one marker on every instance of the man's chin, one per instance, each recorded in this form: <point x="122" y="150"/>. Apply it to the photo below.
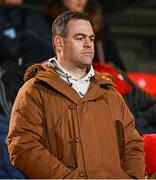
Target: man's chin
<point x="88" y="61"/>
<point x="86" y="64"/>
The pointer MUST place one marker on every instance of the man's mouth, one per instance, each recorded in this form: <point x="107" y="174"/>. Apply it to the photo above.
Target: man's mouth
<point x="88" y="53"/>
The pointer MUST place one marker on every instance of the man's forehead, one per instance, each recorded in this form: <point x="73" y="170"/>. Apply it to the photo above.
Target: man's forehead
<point x="80" y="26"/>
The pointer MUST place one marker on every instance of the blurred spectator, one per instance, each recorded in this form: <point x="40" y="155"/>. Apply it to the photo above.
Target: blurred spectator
<point x="105" y="48"/>
<point x="24" y="40"/>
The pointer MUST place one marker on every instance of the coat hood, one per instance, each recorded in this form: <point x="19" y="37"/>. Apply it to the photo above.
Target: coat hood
<point x="41" y="71"/>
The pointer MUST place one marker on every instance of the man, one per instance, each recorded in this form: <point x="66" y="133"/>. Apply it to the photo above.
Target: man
<point x="67" y="120"/>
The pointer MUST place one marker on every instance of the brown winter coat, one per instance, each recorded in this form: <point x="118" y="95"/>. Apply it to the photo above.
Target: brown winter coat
<point x="56" y="134"/>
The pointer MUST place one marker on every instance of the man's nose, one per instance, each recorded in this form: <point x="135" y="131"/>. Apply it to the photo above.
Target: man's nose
<point x="88" y="42"/>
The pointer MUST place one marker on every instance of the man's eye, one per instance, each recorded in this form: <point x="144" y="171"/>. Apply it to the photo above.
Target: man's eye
<point x="92" y="39"/>
<point x="79" y="38"/>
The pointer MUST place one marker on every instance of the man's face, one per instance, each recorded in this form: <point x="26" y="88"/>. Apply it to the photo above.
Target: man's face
<point x="78" y="47"/>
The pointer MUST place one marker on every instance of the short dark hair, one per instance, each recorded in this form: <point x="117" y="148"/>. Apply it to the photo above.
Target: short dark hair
<point x="60" y="24"/>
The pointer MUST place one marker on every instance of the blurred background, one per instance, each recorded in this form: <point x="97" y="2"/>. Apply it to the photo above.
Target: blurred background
<point x="127" y="41"/>
<point x="133" y="25"/>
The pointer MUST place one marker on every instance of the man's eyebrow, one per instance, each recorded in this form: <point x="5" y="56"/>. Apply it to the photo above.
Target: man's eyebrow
<point x="82" y="34"/>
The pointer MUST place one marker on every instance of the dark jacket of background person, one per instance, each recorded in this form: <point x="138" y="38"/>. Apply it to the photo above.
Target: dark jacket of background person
<point x="7" y="171"/>
<point x="24" y="40"/>
<point x="141" y="104"/>
<point x="47" y="142"/>
<point x="23" y="34"/>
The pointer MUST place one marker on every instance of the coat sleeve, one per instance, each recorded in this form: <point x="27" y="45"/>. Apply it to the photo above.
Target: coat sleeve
<point x="134" y="152"/>
<point x="25" y="139"/>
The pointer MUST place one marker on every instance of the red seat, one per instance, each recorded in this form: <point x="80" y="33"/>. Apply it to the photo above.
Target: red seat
<point x="150" y="152"/>
<point x="121" y="85"/>
<point x="145" y="81"/>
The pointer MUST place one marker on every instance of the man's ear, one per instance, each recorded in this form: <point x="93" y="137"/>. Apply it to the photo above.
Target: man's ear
<point x="59" y="43"/>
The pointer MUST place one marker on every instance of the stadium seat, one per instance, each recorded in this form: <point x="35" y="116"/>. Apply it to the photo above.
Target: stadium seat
<point x="145" y="81"/>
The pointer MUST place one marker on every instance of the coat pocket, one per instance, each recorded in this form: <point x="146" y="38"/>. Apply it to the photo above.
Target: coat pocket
<point x="121" y="141"/>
